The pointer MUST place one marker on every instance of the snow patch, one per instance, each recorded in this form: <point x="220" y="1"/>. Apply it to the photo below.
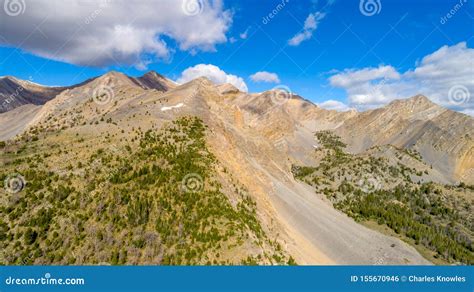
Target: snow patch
<point x="167" y="108"/>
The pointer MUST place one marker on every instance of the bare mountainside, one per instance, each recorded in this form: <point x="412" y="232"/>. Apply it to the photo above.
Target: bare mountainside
<point x="15" y="92"/>
<point x="112" y="162"/>
<point x="443" y="138"/>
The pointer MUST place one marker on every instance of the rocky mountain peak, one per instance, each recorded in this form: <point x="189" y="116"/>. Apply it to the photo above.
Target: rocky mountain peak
<point x="415" y="102"/>
<point x="418" y="107"/>
<point x="227" y="88"/>
<point x="153" y="80"/>
<point x="114" y="77"/>
<point x="153" y="74"/>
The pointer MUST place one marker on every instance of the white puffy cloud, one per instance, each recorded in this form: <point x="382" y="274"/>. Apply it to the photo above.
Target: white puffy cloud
<point x="352" y="78"/>
<point x="109" y="32"/>
<point x="334" y="105"/>
<point x="445" y="76"/>
<point x="364" y="86"/>
<point x="213" y="73"/>
<point x="264" y="76"/>
<point x="310" y="25"/>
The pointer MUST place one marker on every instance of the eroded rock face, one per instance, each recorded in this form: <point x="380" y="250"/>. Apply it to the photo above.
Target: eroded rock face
<point x="443" y="137"/>
<point x="15" y="93"/>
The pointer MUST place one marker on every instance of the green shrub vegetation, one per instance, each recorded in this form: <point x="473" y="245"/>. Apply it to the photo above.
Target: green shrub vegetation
<point x="135" y="206"/>
<point x="367" y="188"/>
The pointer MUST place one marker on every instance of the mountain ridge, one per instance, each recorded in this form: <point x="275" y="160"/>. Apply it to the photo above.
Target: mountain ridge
<point x="279" y="113"/>
<point x="15" y="92"/>
<point x="256" y="138"/>
<point x="154" y="80"/>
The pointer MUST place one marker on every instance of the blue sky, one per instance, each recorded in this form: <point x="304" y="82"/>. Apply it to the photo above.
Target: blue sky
<point x="344" y="40"/>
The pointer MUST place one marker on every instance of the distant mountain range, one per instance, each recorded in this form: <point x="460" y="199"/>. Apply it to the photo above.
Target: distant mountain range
<point x="15" y="93"/>
<point x="246" y="152"/>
